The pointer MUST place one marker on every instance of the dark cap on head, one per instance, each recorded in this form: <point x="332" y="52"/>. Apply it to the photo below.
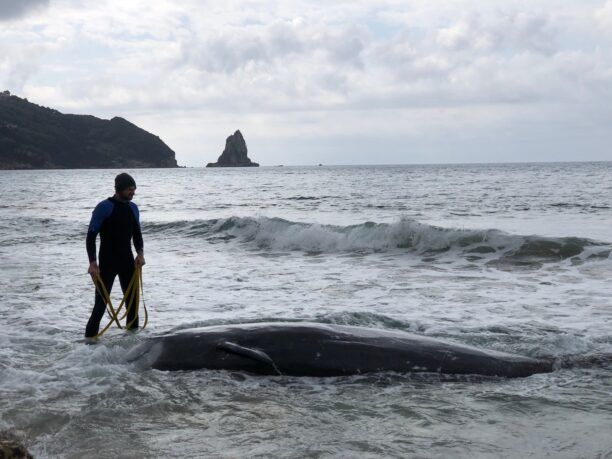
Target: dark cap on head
<point x="123" y="181"/>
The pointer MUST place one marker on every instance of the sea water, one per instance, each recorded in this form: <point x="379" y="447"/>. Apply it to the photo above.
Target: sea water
<point x="511" y="257"/>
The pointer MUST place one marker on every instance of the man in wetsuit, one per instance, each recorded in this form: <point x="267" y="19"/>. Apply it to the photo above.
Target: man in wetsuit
<point x="118" y="221"/>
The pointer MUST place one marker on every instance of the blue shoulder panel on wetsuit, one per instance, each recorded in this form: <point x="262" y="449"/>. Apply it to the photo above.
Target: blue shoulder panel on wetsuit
<point x="136" y="212"/>
<point x="99" y="214"/>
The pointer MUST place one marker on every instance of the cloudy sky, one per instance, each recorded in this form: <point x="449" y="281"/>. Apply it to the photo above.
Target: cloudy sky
<point x="341" y="82"/>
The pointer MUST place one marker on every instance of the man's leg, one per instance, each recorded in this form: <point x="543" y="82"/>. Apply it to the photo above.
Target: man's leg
<point x="125" y="276"/>
<point x="93" y="325"/>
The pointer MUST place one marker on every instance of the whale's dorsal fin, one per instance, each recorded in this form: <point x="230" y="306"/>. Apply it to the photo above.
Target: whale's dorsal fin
<point x="247" y="352"/>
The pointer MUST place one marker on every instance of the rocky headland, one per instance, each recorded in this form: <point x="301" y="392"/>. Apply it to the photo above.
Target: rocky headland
<point x="36" y="137"/>
<point x="234" y="154"/>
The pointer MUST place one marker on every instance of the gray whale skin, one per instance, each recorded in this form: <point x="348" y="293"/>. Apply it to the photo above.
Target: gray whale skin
<point x="313" y="349"/>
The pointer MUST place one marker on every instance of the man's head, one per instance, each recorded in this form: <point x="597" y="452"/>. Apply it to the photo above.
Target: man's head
<point x="125" y="186"/>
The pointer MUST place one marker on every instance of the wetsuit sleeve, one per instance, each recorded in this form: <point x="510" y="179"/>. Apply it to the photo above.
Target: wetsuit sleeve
<point x="137" y="234"/>
<point x="99" y="214"/>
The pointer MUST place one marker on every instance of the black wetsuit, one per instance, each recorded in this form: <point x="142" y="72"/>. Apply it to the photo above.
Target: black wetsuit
<point x="118" y="223"/>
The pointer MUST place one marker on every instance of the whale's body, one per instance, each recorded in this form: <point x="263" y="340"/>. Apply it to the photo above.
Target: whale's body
<point x="313" y="349"/>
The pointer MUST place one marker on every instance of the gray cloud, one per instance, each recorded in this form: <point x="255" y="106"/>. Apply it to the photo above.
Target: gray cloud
<point x="234" y="49"/>
<point x="12" y="9"/>
<point x="512" y="32"/>
<point x="279" y="43"/>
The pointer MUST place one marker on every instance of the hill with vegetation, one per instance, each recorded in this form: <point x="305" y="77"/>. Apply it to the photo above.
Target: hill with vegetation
<point x="35" y="137"/>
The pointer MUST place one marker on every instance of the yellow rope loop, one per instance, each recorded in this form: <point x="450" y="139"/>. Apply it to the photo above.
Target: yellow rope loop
<point x="101" y="289"/>
<point x="134" y="299"/>
<point x="130" y="292"/>
<point x="106" y="297"/>
<point x="131" y="298"/>
<point x="144" y="306"/>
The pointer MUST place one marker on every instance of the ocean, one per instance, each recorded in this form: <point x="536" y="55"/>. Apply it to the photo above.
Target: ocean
<point x="510" y="257"/>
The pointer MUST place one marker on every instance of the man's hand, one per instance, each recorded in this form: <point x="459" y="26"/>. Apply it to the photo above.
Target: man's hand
<point x="94" y="270"/>
<point x="140" y="261"/>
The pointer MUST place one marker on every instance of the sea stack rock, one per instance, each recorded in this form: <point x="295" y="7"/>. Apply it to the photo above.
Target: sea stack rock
<point x="235" y="153"/>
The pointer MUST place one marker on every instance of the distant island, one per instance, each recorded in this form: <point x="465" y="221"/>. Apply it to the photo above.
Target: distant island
<point x="234" y="154"/>
<point x="35" y="137"/>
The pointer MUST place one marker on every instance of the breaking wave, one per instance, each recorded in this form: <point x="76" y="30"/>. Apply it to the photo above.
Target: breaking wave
<point x="404" y="235"/>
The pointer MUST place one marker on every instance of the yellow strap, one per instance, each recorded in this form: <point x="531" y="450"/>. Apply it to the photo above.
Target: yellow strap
<point x="134" y="300"/>
<point x="107" y="300"/>
<point x="114" y="315"/>
<point x="101" y="288"/>
<point x="131" y="296"/>
<point x="130" y="292"/>
<point x="139" y="295"/>
<point x="115" y="318"/>
<point x="144" y="306"/>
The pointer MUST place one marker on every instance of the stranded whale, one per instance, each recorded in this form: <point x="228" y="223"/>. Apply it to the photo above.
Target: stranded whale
<point x="313" y="349"/>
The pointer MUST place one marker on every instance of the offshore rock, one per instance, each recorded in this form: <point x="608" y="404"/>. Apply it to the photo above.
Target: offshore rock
<point x="35" y="137"/>
<point x="235" y="153"/>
